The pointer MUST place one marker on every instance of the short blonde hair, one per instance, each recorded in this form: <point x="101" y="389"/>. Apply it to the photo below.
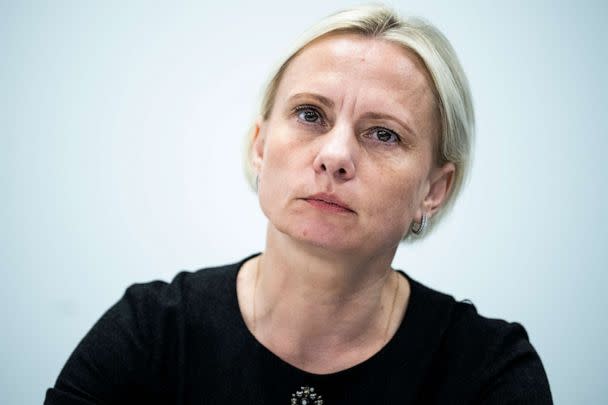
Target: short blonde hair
<point x="435" y="51"/>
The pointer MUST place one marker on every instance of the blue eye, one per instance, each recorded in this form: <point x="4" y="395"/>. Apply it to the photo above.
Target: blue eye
<point x="309" y="114"/>
<point x="385" y="135"/>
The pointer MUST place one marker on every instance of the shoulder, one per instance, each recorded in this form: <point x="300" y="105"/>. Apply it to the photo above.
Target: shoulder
<point x="130" y="348"/>
<point x="462" y="329"/>
<point x="187" y="287"/>
<point x="195" y="304"/>
<point x="504" y="362"/>
<point x="482" y="342"/>
<point x="485" y="358"/>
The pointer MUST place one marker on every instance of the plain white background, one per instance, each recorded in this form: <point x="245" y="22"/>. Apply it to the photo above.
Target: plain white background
<point x="121" y="132"/>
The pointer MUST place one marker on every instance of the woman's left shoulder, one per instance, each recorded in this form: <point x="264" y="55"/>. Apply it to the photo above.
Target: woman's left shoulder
<point x="475" y="359"/>
<point x="467" y="327"/>
<point x="496" y="356"/>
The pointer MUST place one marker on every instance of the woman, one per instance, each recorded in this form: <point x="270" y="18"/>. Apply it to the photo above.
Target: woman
<point x="364" y="136"/>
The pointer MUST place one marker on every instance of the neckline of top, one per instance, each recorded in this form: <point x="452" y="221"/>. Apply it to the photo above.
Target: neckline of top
<point x="395" y="350"/>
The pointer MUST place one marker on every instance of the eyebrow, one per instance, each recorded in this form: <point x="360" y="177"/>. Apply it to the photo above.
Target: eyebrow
<point x="321" y="99"/>
<point x="382" y="116"/>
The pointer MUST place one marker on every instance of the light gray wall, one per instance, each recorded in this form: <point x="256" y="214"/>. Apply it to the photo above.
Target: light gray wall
<point x="121" y="127"/>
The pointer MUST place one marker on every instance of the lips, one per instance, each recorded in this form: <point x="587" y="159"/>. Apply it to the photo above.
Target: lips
<point x="329" y="202"/>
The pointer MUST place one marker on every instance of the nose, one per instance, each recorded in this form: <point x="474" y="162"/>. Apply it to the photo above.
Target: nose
<point x="336" y="156"/>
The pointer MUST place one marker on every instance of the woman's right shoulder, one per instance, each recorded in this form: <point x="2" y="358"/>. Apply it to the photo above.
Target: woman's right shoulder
<point x="210" y="283"/>
<point x="125" y="356"/>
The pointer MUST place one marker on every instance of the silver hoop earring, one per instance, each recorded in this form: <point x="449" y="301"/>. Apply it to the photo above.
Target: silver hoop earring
<point x="419" y="228"/>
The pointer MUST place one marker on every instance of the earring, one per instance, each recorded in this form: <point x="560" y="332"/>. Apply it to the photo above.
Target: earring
<point x="419" y="228"/>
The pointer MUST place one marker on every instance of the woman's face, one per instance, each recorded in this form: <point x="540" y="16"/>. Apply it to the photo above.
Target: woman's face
<point x="345" y="159"/>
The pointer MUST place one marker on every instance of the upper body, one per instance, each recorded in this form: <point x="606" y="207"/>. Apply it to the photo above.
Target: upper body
<point x="363" y="139"/>
<point x="186" y="342"/>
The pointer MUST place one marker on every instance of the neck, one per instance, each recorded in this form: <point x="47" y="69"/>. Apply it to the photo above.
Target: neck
<point x="309" y="274"/>
<point x="305" y="300"/>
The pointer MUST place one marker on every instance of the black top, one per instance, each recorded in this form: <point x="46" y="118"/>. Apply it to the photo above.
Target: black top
<point x="187" y="343"/>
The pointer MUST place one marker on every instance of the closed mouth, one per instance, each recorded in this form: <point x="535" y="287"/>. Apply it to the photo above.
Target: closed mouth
<point x="329" y="201"/>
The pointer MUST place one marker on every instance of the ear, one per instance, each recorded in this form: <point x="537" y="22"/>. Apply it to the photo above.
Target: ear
<point x="441" y="180"/>
<point x="258" y="139"/>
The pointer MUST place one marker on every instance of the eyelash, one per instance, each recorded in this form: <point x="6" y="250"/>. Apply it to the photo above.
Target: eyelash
<point x="395" y="135"/>
<point x="307" y="107"/>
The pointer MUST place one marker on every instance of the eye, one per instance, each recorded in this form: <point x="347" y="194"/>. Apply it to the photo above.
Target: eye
<point x="309" y="114"/>
<point x="384" y="135"/>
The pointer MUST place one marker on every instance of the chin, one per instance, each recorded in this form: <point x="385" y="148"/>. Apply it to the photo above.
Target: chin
<point x="325" y="237"/>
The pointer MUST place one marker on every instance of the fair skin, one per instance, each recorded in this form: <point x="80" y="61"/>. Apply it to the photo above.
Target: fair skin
<point x="346" y="164"/>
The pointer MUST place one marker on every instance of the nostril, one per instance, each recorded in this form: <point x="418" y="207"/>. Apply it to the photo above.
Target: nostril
<point x="323" y="167"/>
<point x="342" y="170"/>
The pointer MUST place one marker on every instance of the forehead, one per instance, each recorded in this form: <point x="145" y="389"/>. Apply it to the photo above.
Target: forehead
<point x="373" y="67"/>
<point x="364" y="75"/>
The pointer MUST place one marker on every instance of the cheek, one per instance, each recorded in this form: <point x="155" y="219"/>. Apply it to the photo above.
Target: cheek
<point x="399" y="195"/>
<point x="280" y="147"/>
<point x="276" y="156"/>
<point x="404" y="196"/>
<point x="282" y="170"/>
<point x="287" y="154"/>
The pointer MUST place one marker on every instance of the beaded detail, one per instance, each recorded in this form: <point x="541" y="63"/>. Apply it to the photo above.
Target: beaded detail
<point x="306" y="396"/>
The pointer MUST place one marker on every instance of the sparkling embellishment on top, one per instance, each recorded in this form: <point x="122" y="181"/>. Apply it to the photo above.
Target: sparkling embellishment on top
<point x="306" y="396"/>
